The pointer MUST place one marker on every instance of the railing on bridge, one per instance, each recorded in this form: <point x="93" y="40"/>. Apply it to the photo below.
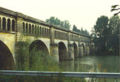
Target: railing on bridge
<point x="40" y="76"/>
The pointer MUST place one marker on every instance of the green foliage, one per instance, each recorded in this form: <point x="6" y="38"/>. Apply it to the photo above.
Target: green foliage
<point x="22" y="56"/>
<point x="75" y="29"/>
<point x="114" y="24"/>
<point x="55" y="21"/>
<point x="101" y="26"/>
<point x="65" y="24"/>
<point x="105" y="35"/>
<point x="41" y="61"/>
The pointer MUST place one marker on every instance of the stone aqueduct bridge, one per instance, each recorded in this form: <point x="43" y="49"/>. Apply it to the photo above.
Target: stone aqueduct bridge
<point x="60" y="43"/>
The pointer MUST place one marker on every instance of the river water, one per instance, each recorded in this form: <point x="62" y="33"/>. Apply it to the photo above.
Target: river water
<point x="83" y="64"/>
<point x="93" y="64"/>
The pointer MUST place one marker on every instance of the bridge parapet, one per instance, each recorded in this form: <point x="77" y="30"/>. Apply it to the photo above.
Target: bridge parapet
<point x="7" y="23"/>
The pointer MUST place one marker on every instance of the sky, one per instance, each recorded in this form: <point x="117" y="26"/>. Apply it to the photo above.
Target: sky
<point x="82" y="13"/>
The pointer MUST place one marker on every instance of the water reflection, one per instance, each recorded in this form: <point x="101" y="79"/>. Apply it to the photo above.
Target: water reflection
<point x="93" y="64"/>
<point x="84" y="64"/>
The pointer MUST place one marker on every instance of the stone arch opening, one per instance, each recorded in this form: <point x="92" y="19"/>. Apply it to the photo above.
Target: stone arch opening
<point x="75" y="50"/>
<point x="4" y="24"/>
<point x="0" y="24"/>
<point x="39" y="54"/>
<point x="30" y="28"/>
<point x="13" y="25"/>
<point x="6" y="58"/>
<point x="39" y="45"/>
<point x="62" y="51"/>
<point x="23" y="27"/>
<point x="8" y="25"/>
<point x="26" y="28"/>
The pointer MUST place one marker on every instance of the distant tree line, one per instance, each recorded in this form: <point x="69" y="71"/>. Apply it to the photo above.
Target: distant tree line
<point x="55" y="21"/>
<point x="80" y="31"/>
<point x="105" y="35"/>
<point x="66" y="25"/>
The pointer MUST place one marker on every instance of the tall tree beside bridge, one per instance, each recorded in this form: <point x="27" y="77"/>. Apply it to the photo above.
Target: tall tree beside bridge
<point x="106" y="35"/>
<point x="114" y="24"/>
<point x="101" y="32"/>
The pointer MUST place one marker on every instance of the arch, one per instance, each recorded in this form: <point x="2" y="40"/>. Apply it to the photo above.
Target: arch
<point x="39" y="45"/>
<point x="75" y="50"/>
<point x="38" y="53"/>
<point x="33" y="29"/>
<point x="0" y="24"/>
<point x="4" y="23"/>
<point x="26" y="27"/>
<point x="30" y="28"/>
<point x="6" y="58"/>
<point x="40" y="30"/>
<point x="13" y="25"/>
<point x="62" y="51"/>
<point x="23" y="27"/>
<point x="8" y="25"/>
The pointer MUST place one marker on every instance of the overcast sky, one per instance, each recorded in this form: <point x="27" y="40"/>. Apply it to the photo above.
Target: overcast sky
<point x="82" y="13"/>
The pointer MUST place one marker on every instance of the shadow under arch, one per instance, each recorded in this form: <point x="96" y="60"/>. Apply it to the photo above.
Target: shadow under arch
<point x="39" y="45"/>
<point x="75" y="50"/>
<point x="6" y="58"/>
<point x="38" y="55"/>
<point x="62" y="51"/>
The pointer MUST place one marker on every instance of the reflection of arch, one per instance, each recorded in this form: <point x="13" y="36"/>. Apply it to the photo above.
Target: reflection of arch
<point x="38" y="45"/>
<point x="62" y="51"/>
<point x="6" y="58"/>
<point x="75" y="50"/>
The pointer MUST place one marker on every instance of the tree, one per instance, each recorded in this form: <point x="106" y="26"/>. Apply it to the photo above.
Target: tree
<point x="101" y="26"/>
<point x="101" y="32"/>
<point x="105" y="35"/>
<point x="114" y="25"/>
<point x="74" y="28"/>
<point x="66" y="24"/>
<point x="55" y="21"/>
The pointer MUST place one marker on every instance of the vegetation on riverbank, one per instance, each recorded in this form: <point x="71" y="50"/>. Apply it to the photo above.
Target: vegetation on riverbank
<point x="105" y="35"/>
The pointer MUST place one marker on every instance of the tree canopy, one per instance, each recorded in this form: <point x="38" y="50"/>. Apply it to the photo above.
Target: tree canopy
<point x="80" y="31"/>
<point x="55" y="21"/>
<point x="66" y="25"/>
<point x="105" y="34"/>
